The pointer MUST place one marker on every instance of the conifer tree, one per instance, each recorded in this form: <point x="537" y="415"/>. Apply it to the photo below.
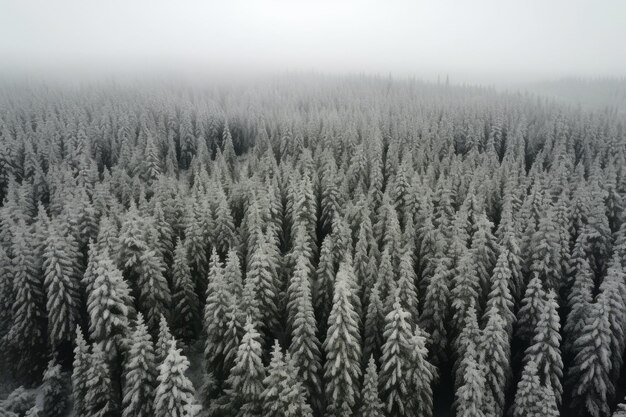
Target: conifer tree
<point x="371" y="406"/>
<point x="343" y="351"/>
<point x="162" y="345"/>
<point x="469" y="396"/>
<point x="220" y="317"/>
<point x="305" y="348"/>
<point x="588" y="377"/>
<point x="284" y="395"/>
<point x="323" y="284"/>
<point x="494" y="354"/>
<point x="185" y="304"/>
<point x="79" y="373"/>
<point x="395" y="370"/>
<point x="54" y="395"/>
<point x="545" y="348"/>
<point x="174" y="395"/>
<point x="100" y="399"/>
<point x="61" y="283"/>
<point x="532" y="398"/>
<point x="436" y="309"/>
<point x="374" y="325"/>
<point x="26" y="338"/>
<point x="531" y="307"/>
<point x="243" y="396"/>
<point x="139" y="373"/>
<point x="108" y="305"/>
<point x="500" y="296"/>
<point x="262" y="275"/>
<point x="154" y="293"/>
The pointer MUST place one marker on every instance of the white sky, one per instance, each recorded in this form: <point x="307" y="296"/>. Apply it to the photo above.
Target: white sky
<point x="478" y="38"/>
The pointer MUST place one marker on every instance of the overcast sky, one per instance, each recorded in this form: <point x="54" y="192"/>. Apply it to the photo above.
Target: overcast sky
<point x="478" y="38"/>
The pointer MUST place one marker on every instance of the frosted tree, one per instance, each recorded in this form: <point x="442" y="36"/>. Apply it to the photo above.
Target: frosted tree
<point x="54" y="392"/>
<point x="162" y="344"/>
<point x="494" y="354"/>
<point x="79" y="373"/>
<point x="305" y="347"/>
<point x="26" y="338"/>
<point x="100" y="399"/>
<point x="220" y="318"/>
<point x="262" y="275"/>
<point x="436" y="311"/>
<point x="154" y="293"/>
<point x="185" y="304"/>
<point x="588" y="377"/>
<point x="243" y="395"/>
<point x="284" y="394"/>
<point x="531" y="307"/>
<point x="139" y="373"/>
<point x="343" y="351"/>
<point x="323" y="284"/>
<point x="62" y="285"/>
<point x="545" y="350"/>
<point x="108" y="305"/>
<point x="469" y="396"/>
<point x="406" y="286"/>
<point x="531" y="398"/>
<point x="6" y="292"/>
<point x="371" y="405"/>
<point x="465" y="290"/>
<point x="174" y="395"/>
<point x="500" y="296"/>
<point x="374" y="325"/>
<point x="395" y="370"/>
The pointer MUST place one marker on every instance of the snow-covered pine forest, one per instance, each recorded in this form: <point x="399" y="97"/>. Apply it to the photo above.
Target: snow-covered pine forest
<point x="315" y="246"/>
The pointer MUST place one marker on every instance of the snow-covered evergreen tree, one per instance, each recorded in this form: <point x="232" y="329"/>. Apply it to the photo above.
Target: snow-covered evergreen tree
<point x="174" y="395"/>
<point x="54" y="391"/>
<point x="342" y="346"/>
<point x="139" y="373"/>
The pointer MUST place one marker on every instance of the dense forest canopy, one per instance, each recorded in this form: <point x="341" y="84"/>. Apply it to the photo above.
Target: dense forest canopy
<point x="318" y="246"/>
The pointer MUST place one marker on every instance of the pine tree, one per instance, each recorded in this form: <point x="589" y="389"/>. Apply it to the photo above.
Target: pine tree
<point x="54" y="395"/>
<point x="305" y="348"/>
<point x="99" y="396"/>
<point x="531" y="307"/>
<point x="79" y="374"/>
<point x="374" y="325"/>
<point x="284" y="395"/>
<point x="109" y="306"/>
<point x="500" y="296"/>
<point x="61" y="283"/>
<point x="532" y="399"/>
<point x="26" y="337"/>
<point x="395" y="370"/>
<point x="371" y="406"/>
<point x="220" y="318"/>
<point x="323" y="284"/>
<point x="174" y="395"/>
<point x="343" y="351"/>
<point x="406" y="286"/>
<point x="588" y="377"/>
<point x="185" y="304"/>
<point x="6" y="293"/>
<point x="162" y="345"/>
<point x="154" y="293"/>
<point x="545" y="348"/>
<point x="494" y="354"/>
<point x="436" y="309"/>
<point x="139" y="373"/>
<point x="469" y="396"/>
<point x="262" y="275"/>
<point x="243" y="396"/>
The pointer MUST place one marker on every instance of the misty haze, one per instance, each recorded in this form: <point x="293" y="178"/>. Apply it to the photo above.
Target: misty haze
<point x="312" y="209"/>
